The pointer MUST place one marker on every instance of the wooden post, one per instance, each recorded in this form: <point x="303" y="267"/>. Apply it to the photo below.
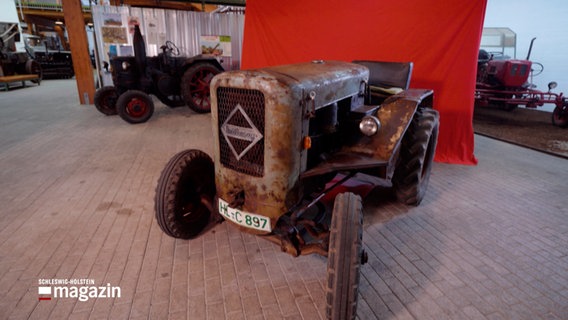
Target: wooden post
<point x="75" y="24"/>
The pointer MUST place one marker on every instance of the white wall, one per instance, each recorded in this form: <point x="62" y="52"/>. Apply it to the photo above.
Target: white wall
<point x="8" y="11"/>
<point x="548" y="22"/>
<point x="184" y="28"/>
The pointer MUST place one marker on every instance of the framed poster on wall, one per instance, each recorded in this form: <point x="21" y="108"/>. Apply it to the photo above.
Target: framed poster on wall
<point x="216" y="45"/>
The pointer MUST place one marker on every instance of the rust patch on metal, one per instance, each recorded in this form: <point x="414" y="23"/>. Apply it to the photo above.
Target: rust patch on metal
<point x="395" y="115"/>
<point x="285" y="90"/>
<point x="288" y="94"/>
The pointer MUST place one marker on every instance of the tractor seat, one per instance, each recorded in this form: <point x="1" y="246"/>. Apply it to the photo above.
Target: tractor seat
<point x="386" y="78"/>
<point x="483" y="56"/>
<point x="389" y="91"/>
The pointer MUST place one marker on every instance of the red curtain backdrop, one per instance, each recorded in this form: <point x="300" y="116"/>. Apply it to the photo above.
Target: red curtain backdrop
<point x="440" y="37"/>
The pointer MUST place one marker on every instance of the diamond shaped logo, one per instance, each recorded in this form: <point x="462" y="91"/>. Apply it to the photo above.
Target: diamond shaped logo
<point x="249" y="134"/>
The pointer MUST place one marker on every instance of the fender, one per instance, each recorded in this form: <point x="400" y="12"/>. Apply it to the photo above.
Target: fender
<point x="397" y="111"/>
<point x="379" y="150"/>
<point x="202" y="58"/>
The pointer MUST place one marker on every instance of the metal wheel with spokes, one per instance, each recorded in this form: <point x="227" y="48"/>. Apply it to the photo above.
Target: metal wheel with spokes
<point x="195" y="86"/>
<point x="185" y="185"/>
<point x="135" y="106"/>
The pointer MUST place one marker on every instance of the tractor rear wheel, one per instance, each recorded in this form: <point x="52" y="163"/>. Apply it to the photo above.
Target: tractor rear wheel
<point x="135" y="106"/>
<point x="167" y="90"/>
<point x="560" y="115"/>
<point x="105" y="100"/>
<point x="188" y="178"/>
<point x="195" y="86"/>
<point x="414" y="166"/>
<point x="345" y="256"/>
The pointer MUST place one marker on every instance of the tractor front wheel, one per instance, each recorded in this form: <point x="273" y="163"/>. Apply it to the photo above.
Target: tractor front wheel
<point x="185" y="185"/>
<point x="418" y="146"/>
<point x="560" y="115"/>
<point x="345" y="256"/>
<point x="135" y="106"/>
<point x="105" y="100"/>
<point x="195" y="86"/>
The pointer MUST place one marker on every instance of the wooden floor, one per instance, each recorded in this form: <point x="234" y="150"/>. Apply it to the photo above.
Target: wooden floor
<point x="76" y="204"/>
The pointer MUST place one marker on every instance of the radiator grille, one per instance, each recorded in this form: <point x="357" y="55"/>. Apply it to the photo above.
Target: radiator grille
<point x="241" y="110"/>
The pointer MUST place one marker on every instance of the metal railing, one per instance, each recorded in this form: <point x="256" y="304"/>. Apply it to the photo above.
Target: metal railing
<point x="52" y="5"/>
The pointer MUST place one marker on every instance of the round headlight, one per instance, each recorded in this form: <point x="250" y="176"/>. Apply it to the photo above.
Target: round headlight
<point x="369" y="125"/>
<point x="125" y="65"/>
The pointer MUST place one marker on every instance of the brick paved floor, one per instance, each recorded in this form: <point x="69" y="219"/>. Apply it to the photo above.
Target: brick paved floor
<point x="76" y="196"/>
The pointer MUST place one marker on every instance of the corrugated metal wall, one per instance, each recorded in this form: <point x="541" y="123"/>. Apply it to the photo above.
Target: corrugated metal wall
<point x="184" y="28"/>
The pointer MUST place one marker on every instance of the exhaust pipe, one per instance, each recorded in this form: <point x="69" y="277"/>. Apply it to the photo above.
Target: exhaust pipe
<point x="530" y="49"/>
<point x="139" y="50"/>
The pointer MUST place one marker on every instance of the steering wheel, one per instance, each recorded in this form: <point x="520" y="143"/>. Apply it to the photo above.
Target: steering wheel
<point x="171" y="48"/>
<point x="537" y="68"/>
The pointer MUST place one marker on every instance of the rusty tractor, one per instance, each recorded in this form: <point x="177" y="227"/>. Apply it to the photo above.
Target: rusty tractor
<point x="288" y="143"/>
<point x="504" y="83"/>
<point x="175" y="80"/>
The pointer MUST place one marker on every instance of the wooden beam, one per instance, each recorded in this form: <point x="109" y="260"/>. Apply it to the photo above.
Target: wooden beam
<point x="75" y="24"/>
<point x="50" y="14"/>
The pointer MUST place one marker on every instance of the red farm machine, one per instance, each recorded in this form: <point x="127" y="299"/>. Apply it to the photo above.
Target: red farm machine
<point x="504" y="83"/>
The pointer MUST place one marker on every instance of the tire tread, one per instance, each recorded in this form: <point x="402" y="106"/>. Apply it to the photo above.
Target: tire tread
<point x="409" y="180"/>
<point x="165" y="199"/>
<point x="344" y="257"/>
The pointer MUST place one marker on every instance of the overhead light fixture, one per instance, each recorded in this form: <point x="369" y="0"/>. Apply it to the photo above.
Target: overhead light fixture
<point x="58" y="22"/>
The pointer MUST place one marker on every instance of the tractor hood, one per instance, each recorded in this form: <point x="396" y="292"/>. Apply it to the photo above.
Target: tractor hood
<point x="319" y="82"/>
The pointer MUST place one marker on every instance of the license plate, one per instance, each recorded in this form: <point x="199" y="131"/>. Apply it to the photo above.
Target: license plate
<point x="246" y="219"/>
